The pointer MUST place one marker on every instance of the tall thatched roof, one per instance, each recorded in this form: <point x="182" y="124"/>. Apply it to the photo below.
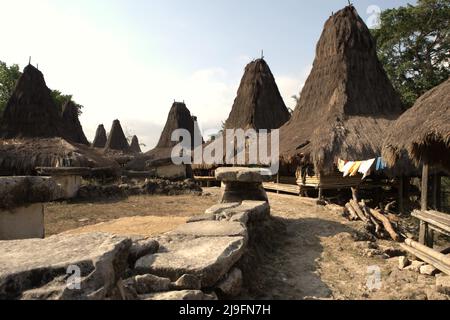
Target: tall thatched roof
<point x="258" y="104"/>
<point x="100" y="137"/>
<point x="117" y="140"/>
<point x="347" y="103"/>
<point x="423" y="132"/>
<point x="23" y="156"/>
<point x="73" y="131"/>
<point x="179" y="118"/>
<point x="135" y="146"/>
<point x="31" y="110"/>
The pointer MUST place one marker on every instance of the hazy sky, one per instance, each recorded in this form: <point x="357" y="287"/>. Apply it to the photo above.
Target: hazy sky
<point x="129" y="59"/>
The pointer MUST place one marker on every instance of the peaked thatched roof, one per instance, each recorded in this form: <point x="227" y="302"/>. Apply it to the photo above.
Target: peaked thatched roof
<point x="135" y="146"/>
<point x="179" y="118"/>
<point x="117" y="140"/>
<point x="258" y="104"/>
<point x="23" y="156"/>
<point x="347" y="103"/>
<point x="31" y="111"/>
<point x="73" y="131"/>
<point x="423" y="132"/>
<point x="100" y="137"/>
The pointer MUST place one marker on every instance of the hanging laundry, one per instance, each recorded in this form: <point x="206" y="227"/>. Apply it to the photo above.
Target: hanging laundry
<point x="348" y="166"/>
<point x="365" y="168"/>
<point x="355" y="168"/>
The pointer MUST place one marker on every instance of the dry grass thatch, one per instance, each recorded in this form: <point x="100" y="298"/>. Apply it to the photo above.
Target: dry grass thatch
<point x="22" y="156"/>
<point x="117" y="140"/>
<point x="135" y="146"/>
<point x="347" y="103"/>
<point x="100" y="137"/>
<point x="179" y="118"/>
<point x="258" y="104"/>
<point x="31" y="111"/>
<point x="73" y="131"/>
<point x="423" y="132"/>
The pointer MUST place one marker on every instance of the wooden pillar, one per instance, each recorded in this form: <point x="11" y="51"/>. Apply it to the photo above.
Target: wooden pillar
<point x="425" y="174"/>
<point x="436" y="191"/>
<point x="320" y="193"/>
<point x="425" y="235"/>
<point x="278" y="183"/>
<point x="401" y="195"/>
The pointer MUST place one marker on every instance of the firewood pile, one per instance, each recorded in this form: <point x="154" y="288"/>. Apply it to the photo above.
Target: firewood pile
<point x="381" y="222"/>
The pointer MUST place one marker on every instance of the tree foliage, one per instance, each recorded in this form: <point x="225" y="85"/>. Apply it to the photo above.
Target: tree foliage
<point x="8" y="78"/>
<point x="414" y="46"/>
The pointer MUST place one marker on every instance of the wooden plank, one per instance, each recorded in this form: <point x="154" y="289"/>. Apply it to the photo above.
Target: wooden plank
<point x="287" y="188"/>
<point x="433" y="220"/>
<point x="427" y="258"/>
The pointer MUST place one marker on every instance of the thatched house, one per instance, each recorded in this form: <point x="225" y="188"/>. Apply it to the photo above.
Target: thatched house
<point x="423" y="132"/>
<point x="160" y="158"/>
<point x="31" y="111"/>
<point x="258" y="104"/>
<point x="100" y="137"/>
<point x="116" y="139"/>
<point x="36" y="134"/>
<point x="345" y="107"/>
<point x="23" y="156"/>
<point x="73" y="131"/>
<point x="135" y="146"/>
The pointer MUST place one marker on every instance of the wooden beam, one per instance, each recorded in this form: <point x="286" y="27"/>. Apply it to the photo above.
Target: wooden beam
<point x="425" y="174"/>
<point x="434" y="258"/>
<point x="401" y="195"/>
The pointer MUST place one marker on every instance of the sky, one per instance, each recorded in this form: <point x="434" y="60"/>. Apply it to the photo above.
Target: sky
<point x="130" y="59"/>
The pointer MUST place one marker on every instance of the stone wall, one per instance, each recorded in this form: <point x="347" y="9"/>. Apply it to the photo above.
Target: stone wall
<point x="198" y="261"/>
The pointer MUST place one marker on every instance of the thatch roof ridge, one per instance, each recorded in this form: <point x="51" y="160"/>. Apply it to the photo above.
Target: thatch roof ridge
<point x="423" y="132"/>
<point x="347" y="102"/>
<point x="100" y="137"/>
<point x="31" y="111"/>
<point x="258" y="104"/>
<point x="117" y="139"/>
<point x="73" y="131"/>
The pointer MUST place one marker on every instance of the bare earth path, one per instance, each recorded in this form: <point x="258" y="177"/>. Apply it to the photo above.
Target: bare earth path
<point x="316" y="258"/>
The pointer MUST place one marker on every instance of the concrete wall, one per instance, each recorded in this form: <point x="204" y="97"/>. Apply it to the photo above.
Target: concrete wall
<point x="22" y="223"/>
<point x="70" y="185"/>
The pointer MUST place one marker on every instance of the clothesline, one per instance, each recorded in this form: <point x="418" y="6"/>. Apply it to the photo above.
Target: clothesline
<point x="366" y="167"/>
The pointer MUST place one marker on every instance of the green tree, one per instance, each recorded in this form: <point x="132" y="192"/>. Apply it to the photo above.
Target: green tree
<point x="414" y="47"/>
<point x="60" y="99"/>
<point x="8" y="78"/>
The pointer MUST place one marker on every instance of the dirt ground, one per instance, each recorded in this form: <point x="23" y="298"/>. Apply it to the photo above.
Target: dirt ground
<point x="316" y="258"/>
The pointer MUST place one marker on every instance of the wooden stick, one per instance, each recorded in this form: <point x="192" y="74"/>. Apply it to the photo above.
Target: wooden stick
<point x="371" y="218"/>
<point x="353" y="215"/>
<point x="358" y="211"/>
<point x="386" y="223"/>
<point x="425" y="174"/>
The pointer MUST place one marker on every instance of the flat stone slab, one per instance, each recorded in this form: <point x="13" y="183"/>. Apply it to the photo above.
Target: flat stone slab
<point x="209" y="258"/>
<point x="40" y="269"/>
<point x="219" y="208"/>
<point x="242" y="174"/>
<point x="19" y="191"/>
<point x="185" y="295"/>
<point x="248" y="211"/>
<point x="212" y="229"/>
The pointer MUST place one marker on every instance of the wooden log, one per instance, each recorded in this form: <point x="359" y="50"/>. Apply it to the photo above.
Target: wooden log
<point x="436" y="255"/>
<point x="351" y="211"/>
<point x="355" y="194"/>
<point x="366" y="210"/>
<point x="386" y="223"/>
<point x="358" y="211"/>
<point x="425" y="174"/>
<point x="423" y="255"/>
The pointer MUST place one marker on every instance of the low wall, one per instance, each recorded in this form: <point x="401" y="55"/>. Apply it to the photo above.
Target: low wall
<point x="69" y="184"/>
<point x="22" y="223"/>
